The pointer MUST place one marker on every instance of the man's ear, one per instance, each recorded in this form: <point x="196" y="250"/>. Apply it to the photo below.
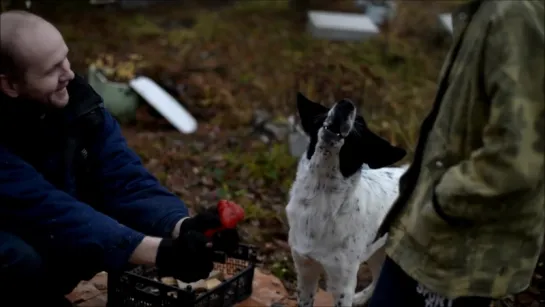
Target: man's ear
<point x="380" y="153"/>
<point x="8" y="87"/>
<point x="309" y="113"/>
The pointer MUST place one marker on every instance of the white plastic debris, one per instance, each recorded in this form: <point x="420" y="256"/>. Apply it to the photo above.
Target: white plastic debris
<point x="446" y="22"/>
<point x="165" y="104"/>
<point x="379" y="11"/>
<point x="340" y="26"/>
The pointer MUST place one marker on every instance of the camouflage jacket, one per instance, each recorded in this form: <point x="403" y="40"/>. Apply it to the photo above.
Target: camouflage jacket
<point x="470" y="217"/>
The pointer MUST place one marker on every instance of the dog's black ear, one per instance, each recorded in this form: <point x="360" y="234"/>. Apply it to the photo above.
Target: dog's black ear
<point x="352" y="155"/>
<point x="380" y="153"/>
<point x="362" y="146"/>
<point x="311" y="113"/>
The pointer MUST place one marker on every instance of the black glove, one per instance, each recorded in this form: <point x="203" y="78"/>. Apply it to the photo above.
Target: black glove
<point x="208" y="219"/>
<point x="226" y="240"/>
<point x="187" y="258"/>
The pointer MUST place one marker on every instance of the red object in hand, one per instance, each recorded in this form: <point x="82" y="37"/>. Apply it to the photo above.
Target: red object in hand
<point x="230" y="214"/>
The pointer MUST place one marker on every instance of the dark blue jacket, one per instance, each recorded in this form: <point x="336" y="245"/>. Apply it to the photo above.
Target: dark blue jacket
<point x="98" y="201"/>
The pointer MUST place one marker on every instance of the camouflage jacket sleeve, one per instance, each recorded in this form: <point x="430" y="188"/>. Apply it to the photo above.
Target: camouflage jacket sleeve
<point x="510" y="162"/>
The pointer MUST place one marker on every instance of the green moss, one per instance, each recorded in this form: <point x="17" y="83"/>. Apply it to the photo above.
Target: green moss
<point x="138" y="25"/>
<point x="283" y="269"/>
<point x="178" y="37"/>
<point x="208" y="26"/>
<point x="256" y="212"/>
<point x="271" y="163"/>
<point x="260" y="6"/>
<point x="162" y="177"/>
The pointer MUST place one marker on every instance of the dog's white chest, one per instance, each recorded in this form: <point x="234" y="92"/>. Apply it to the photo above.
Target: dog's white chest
<point x="322" y="221"/>
<point x="332" y="216"/>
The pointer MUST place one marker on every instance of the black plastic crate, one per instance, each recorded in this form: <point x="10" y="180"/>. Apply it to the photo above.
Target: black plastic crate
<point x="137" y="288"/>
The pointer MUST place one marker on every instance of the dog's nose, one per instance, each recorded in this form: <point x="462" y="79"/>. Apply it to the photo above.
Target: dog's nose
<point x="340" y="116"/>
<point x="346" y="106"/>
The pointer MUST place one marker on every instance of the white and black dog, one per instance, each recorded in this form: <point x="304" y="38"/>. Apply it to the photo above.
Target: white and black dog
<point x="342" y="191"/>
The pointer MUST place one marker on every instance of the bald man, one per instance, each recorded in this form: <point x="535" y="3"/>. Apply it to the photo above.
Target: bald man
<point x="74" y="199"/>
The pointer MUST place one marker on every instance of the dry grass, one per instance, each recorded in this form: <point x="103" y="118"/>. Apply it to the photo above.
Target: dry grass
<point x="266" y="57"/>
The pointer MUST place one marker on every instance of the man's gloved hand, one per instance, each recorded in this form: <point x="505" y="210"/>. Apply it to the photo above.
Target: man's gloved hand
<point x="208" y="219"/>
<point x="226" y="240"/>
<point x="187" y="258"/>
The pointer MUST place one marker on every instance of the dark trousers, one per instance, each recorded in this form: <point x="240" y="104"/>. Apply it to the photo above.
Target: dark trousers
<point x="395" y="288"/>
<point x="33" y="279"/>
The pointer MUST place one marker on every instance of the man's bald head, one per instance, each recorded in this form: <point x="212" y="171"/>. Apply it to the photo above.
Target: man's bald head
<point x="16" y="29"/>
<point x="33" y="59"/>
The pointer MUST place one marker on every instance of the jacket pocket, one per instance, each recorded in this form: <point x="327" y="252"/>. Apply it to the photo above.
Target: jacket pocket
<point x="424" y="222"/>
<point x="445" y="245"/>
<point x="438" y="208"/>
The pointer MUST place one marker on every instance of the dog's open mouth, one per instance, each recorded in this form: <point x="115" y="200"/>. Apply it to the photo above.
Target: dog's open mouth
<point x="332" y="133"/>
<point x="339" y="121"/>
<point x="329" y="129"/>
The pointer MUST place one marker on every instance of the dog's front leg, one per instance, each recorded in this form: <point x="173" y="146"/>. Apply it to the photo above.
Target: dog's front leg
<point x="308" y="275"/>
<point x="374" y="263"/>
<point x="342" y="278"/>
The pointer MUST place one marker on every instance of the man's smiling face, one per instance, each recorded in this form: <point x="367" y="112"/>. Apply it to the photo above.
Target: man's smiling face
<point x="43" y="54"/>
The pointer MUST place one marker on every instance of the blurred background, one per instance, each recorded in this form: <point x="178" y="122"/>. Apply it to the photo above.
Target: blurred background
<point x="236" y="67"/>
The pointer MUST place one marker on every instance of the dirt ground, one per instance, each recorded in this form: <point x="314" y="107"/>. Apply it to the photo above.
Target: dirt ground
<point x="229" y="61"/>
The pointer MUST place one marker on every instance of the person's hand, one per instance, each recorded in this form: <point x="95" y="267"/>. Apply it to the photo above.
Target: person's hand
<point x="206" y="220"/>
<point x="187" y="258"/>
<point x="226" y="240"/>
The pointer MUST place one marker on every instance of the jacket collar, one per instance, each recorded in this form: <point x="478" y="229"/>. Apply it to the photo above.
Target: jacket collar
<point x="23" y="111"/>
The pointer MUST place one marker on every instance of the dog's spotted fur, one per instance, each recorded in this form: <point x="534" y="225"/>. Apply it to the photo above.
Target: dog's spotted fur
<point x="341" y="193"/>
